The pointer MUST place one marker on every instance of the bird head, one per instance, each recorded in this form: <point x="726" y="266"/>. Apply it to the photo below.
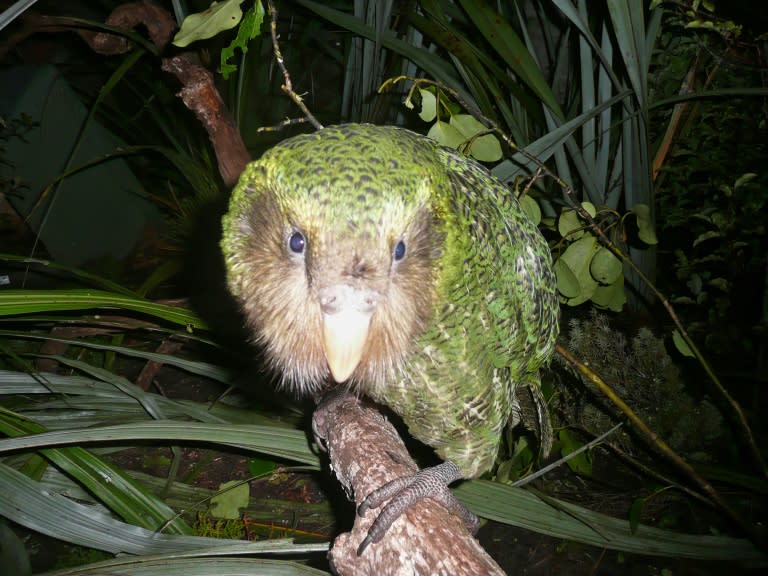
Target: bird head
<point x="332" y="252"/>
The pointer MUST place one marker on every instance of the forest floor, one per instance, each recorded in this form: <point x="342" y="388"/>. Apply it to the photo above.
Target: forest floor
<point x="296" y="504"/>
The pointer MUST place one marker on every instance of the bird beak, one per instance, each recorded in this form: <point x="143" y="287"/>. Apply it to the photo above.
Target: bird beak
<point x="344" y="335"/>
<point x="347" y="315"/>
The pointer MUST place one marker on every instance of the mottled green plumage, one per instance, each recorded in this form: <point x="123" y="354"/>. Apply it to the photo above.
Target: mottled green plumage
<point x="460" y="325"/>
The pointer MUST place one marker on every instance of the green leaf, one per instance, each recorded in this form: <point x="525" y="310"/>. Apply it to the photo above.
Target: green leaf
<point x="15" y="302"/>
<point x="232" y="496"/>
<point x="645" y="226"/>
<point x="578" y="257"/>
<point x="581" y="464"/>
<point x="706" y="236"/>
<point x="433" y="65"/>
<point x="681" y="344"/>
<point x="567" y="283"/>
<point x="283" y="443"/>
<point x="590" y="208"/>
<point x="249" y="29"/>
<point x="259" y="467"/>
<point x="485" y="148"/>
<point x="531" y="208"/>
<point x="503" y="38"/>
<point x="428" y="105"/>
<point x="202" y="25"/>
<point x="635" y="513"/>
<point x="605" y="267"/>
<point x="445" y="134"/>
<point x="570" y="225"/>
<point x="743" y="179"/>
<point x="51" y="513"/>
<point x="530" y="510"/>
<point x="720" y="283"/>
<point x="612" y="297"/>
<point x="108" y="483"/>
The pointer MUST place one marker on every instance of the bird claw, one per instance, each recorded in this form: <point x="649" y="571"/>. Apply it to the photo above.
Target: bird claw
<point x="403" y="492"/>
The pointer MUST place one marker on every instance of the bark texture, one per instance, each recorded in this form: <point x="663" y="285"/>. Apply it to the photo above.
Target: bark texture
<point x="365" y="453"/>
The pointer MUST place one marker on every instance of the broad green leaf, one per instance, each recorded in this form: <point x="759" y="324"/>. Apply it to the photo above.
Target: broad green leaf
<point x="531" y="208"/>
<point x="645" y="226"/>
<point x="259" y="467"/>
<point x="467" y="125"/>
<point x="535" y="511"/>
<point x="503" y="38"/>
<point x="108" y="483"/>
<point x="428" y="105"/>
<point x="605" y="267"/>
<point x="283" y="443"/>
<point x="202" y="25"/>
<point x="567" y="283"/>
<point x="612" y="297"/>
<point x="63" y="518"/>
<point x="231" y="497"/>
<point x="16" y="302"/>
<point x="578" y="257"/>
<point x="200" y="563"/>
<point x="445" y="134"/>
<point x="681" y="344"/>
<point x="590" y="208"/>
<point x="485" y="148"/>
<point x="570" y="226"/>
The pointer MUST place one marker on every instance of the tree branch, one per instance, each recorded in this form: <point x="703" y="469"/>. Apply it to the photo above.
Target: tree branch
<point x="200" y="95"/>
<point x="366" y="452"/>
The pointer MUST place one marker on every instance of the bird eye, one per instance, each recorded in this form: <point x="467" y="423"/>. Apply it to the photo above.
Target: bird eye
<point x="297" y="242"/>
<point x="399" y="252"/>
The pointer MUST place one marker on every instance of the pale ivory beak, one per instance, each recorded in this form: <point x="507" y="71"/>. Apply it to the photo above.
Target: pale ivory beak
<point x="344" y="335"/>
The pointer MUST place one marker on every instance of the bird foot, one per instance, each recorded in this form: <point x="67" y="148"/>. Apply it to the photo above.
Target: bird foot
<point x="404" y="492"/>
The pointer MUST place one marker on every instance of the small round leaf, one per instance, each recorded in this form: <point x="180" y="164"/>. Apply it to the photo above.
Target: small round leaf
<point x="569" y="225"/>
<point x="605" y="267"/>
<point x="428" y="106"/>
<point x="531" y="208"/>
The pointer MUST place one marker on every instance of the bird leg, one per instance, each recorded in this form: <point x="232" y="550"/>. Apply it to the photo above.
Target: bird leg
<point x="405" y="491"/>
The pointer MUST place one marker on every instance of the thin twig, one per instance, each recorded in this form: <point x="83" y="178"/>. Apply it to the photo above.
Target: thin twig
<point x="564" y="459"/>
<point x="280" y="125"/>
<point x="287" y="86"/>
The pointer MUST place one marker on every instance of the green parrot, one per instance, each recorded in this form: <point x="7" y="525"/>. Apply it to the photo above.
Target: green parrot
<point x="374" y="258"/>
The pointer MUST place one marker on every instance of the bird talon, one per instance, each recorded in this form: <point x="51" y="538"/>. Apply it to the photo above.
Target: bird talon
<point x="406" y="491"/>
